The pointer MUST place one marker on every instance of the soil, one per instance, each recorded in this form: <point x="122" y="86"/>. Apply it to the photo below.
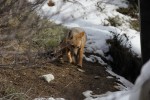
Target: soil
<point x="69" y="83"/>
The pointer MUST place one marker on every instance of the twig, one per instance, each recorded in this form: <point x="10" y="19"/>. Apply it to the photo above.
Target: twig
<point x="68" y="84"/>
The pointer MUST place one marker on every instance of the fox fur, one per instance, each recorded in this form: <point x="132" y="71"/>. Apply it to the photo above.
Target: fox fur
<point x="76" y="41"/>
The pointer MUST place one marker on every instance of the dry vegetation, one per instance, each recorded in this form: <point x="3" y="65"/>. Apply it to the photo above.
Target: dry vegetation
<point x="24" y="35"/>
<point x="130" y="11"/>
<point x="23" y="32"/>
<point x="125" y="62"/>
<point x="135" y="24"/>
<point x="114" y="21"/>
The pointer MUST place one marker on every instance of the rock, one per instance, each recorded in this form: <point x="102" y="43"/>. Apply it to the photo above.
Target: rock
<point x="81" y="70"/>
<point x="48" y="77"/>
<point x="96" y="77"/>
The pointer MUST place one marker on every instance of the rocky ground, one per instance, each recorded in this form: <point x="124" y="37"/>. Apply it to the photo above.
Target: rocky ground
<point x="69" y="82"/>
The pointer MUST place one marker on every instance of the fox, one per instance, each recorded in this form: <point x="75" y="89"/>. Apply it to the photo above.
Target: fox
<point x="75" y="41"/>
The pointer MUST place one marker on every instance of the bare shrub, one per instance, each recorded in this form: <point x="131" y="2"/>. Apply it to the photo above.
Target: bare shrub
<point x="130" y="11"/>
<point x="114" y="21"/>
<point x="125" y="62"/>
<point x="135" y="24"/>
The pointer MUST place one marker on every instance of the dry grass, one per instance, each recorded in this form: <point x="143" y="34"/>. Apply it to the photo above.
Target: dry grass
<point x="135" y="24"/>
<point x="23" y="32"/>
<point x="132" y="10"/>
<point x="114" y="21"/>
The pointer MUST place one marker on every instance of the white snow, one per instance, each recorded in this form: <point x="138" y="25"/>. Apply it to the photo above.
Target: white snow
<point x="119" y="95"/>
<point x="126" y="85"/>
<point x="51" y="98"/>
<point x="93" y="58"/>
<point x="32" y="1"/>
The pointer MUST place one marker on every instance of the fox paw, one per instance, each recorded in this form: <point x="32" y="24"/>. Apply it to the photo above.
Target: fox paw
<point x="79" y="65"/>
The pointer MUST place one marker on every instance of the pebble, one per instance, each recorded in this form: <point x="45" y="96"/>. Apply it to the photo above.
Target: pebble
<point x="48" y="77"/>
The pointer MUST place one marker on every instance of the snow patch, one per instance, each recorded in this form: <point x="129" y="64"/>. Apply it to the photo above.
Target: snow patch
<point x="93" y="58"/>
<point x="50" y="98"/>
<point x="127" y="85"/>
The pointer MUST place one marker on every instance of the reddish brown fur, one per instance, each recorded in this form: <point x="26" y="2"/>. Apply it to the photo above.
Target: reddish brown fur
<point x="76" y="41"/>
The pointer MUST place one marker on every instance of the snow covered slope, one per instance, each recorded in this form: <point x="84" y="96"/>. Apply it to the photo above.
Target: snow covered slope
<point x="92" y="15"/>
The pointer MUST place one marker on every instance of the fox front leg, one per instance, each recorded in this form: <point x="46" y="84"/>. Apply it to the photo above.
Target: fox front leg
<point x="73" y="56"/>
<point x="80" y="57"/>
<point x="69" y="56"/>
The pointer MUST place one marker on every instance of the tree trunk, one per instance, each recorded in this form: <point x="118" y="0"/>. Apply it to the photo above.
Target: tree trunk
<point x="144" y="6"/>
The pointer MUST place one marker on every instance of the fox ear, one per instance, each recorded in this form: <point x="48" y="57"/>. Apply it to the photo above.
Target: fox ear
<point x="81" y="35"/>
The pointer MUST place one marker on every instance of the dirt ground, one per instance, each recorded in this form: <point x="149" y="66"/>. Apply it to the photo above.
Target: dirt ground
<point x="69" y="83"/>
